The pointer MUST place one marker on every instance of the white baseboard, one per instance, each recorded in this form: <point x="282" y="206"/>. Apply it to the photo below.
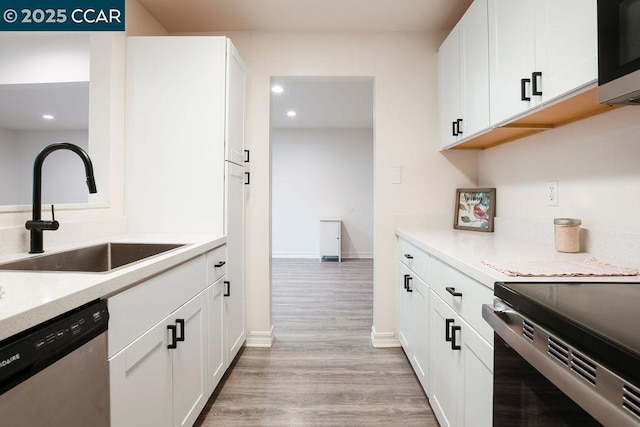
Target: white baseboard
<point x="260" y="338"/>
<point x="383" y="339"/>
<point x="316" y="255"/>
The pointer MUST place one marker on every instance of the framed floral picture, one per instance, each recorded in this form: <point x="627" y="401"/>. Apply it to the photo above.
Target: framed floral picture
<point x="475" y="209"/>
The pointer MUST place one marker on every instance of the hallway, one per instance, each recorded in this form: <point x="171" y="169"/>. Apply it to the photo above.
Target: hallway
<point x="322" y="369"/>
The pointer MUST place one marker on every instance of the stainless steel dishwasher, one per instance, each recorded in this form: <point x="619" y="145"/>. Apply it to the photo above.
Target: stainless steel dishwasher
<point x="56" y="373"/>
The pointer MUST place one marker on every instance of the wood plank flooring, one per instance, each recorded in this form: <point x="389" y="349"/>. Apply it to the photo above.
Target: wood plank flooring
<point x="322" y="369"/>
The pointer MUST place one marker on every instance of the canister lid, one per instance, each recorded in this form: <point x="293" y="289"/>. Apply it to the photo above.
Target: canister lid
<point x="567" y="221"/>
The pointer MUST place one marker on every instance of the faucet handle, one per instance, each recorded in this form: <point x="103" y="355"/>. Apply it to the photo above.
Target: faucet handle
<point x="53" y="214"/>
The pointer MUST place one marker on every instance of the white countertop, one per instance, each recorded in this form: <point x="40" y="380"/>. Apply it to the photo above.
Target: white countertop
<point x="465" y="251"/>
<point x="29" y="298"/>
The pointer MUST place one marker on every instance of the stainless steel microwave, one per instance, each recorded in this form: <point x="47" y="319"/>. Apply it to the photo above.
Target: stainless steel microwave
<point x="619" y="52"/>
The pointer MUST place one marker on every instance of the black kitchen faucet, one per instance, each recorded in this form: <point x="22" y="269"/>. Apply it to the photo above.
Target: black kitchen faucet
<point x="36" y="225"/>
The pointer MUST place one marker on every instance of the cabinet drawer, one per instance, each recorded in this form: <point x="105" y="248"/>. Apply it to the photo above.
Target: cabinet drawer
<point x="136" y="310"/>
<point x="416" y="259"/>
<point x="216" y="264"/>
<point x="463" y="294"/>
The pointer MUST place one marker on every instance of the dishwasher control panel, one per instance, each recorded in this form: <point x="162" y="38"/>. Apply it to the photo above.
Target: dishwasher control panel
<point x="30" y="351"/>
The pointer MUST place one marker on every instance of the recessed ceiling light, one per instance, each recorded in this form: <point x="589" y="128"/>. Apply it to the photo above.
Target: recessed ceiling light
<point x="291" y="113"/>
<point x="47" y="116"/>
<point x="277" y="89"/>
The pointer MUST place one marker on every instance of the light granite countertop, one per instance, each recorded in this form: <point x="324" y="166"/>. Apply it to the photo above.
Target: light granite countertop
<point x="465" y="251"/>
<point x="30" y="298"/>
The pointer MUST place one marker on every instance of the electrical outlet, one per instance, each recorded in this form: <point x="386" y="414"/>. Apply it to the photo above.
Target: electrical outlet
<point x="552" y="193"/>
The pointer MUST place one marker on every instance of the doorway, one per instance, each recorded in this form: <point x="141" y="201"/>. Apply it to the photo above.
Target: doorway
<point x="322" y="145"/>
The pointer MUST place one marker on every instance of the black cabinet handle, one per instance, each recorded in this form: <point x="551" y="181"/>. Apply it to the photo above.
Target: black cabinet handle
<point x="172" y="340"/>
<point x="447" y="329"/>
<point x="227" y="293"/>
<point x="454" y="329"/>
<point x="408" y="279"/>
<point x="535" y="77"/>
<point x="454" y="132"/>
<point x="458" y="123"/>
<point x="523" y="89"/>
<point x="248" y="180"/>
<point x="246" y="156"/>
<point x="453" y="292"/>
<point x="180" y="330"/>
<point x="408" y="256"/>
<point x="220" y="264"/>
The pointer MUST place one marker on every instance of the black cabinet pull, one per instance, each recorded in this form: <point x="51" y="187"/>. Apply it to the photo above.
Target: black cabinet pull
<point x="447" y="329"/>
<point x="454" y="329"/>
<point x="220" y="264"/>
<point x="408" y="279"/>
<point x="458" y="123"/>
<point x="408" y="256"/>
<point x="246" y="156"/>
<point x="453" y="129"/>
<point x="172" y="337"/>
<point x="453" y="292"/>
<point x="535" y="77"/>
<point x="523" y="89"/>
<point x="227" y="293"/>
<point x="180" y="331"/>
<point x="248" y="180"/>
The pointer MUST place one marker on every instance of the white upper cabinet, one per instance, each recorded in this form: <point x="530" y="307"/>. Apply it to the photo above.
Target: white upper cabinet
<point x="235" y="96"/>
<point x="566" y="45"/>
<point x="464" y="77"/>
<point x="539" y="50"/>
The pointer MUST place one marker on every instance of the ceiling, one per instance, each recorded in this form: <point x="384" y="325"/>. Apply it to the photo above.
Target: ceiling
<point x="22" y="106"/>
<point x="323" y="102"/>
<point x="179" y="16"/>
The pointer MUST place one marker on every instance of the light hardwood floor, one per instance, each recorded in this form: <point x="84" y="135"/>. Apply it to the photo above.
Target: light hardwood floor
<point x="322" y="369"/>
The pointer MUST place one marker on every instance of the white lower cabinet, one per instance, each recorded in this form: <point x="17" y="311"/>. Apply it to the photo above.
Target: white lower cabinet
<point x="442" y="332"/>
<point x="171" y="339"/>
<point x="413" y="322"/>
<point x="216" y="343"/>
<point x="461" y="365"/>
<point x="154" y="385"/>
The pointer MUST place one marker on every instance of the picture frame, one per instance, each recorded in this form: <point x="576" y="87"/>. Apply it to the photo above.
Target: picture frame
<point x="475" y="209"/>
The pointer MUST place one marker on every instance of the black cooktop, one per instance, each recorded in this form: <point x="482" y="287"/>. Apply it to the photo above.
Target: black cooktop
<point x="600" y="319"/>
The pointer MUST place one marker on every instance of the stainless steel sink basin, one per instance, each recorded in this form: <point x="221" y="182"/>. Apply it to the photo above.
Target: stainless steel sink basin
<point x="99" y="258"/>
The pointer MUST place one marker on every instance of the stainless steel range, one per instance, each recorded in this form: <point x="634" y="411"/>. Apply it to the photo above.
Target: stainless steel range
<point x="566" y="354"/>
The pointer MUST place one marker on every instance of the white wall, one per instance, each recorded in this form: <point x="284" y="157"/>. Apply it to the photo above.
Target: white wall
<point x="404" y="68"/>
<point x="106" y="133"/>
<point x="596" y="162"/>
<point x="63" y="172"/>
<point x="322" y="173"/>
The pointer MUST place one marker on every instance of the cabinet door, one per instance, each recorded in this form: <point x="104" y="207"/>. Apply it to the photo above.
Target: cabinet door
<point x="234" y="302"/>
<point x="445" y="362"/>
<point x="215" y="340"/>
<point x="474" y="52"/>
<point x="140" y="382"/>
<point x="420" y="330"/>
<point x="475" y="398"/>
<point x="236" y="84"/>
<point x="330" y="238"/>
<point x="404" y="309"/>
<point x="189" y="378"/>
<point x="449" y="87"/>
<point x="511" y="57"/>
<point x="566" y="45"/>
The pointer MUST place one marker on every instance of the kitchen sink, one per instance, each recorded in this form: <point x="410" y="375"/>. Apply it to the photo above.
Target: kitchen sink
<point x="99" y="258"/>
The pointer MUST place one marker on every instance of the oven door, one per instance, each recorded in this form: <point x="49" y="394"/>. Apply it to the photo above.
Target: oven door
<point x="619" y="51"/>
<point x="541" y="380"/>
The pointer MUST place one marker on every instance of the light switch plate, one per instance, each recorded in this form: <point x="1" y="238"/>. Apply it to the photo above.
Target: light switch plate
<point x="396" y="175"/>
